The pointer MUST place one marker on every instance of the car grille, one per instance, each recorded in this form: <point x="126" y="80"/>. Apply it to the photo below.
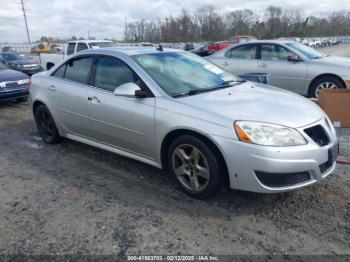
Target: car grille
<point x="325" y="166"/>
<point x="282" y="179"/>
<point x="318" y="135"/>
<point x="11" y="84"/>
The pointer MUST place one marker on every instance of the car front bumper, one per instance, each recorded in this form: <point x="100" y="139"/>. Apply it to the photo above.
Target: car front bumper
<point x="13" y="93"/>
<point x="251" y="166"/>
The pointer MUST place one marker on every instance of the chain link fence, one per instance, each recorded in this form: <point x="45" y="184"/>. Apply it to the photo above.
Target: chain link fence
<point x="19" y="47"/>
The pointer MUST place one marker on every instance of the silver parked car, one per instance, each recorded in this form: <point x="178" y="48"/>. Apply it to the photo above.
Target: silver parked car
<point x="290" y="65"/>
<point x="172" y="109"/>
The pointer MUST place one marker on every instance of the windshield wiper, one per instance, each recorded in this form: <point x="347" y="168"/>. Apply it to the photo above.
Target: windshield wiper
<point x="224" y="84"/>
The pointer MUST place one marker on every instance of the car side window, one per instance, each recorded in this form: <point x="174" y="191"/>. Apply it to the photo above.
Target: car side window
<point x="112" y="72"/>
<point x="70" y="48"/>
<point x="242" y="52"/>
<point x="81" y="47"/>
<point x="78" y="69"/>
<point x="275" y="52"/>
<point x="60" y="71"/>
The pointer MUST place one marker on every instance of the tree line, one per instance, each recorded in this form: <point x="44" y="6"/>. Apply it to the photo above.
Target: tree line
<point x="206" y="24"/>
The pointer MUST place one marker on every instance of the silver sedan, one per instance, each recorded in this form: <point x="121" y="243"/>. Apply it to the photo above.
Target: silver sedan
<point x="175" y="110"/>
<point x="289" y="65"/>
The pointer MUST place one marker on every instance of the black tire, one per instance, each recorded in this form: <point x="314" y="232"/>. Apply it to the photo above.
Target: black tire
<point x="215" y="178"/>
<point x="314" y="88"/>
<point x="46" y="125"/>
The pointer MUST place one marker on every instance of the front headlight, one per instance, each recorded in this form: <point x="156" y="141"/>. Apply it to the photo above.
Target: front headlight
<point x="23" y="82"/>
<point x="15" y="65"/>
<point x="268" y="134"/>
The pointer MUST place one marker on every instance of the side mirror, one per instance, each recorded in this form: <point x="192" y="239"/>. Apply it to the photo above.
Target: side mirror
<point x="294" y="58"/>
<point x="129" y="90"/>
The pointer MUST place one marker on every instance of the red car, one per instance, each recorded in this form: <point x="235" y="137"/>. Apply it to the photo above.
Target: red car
<point x="238" y="39"/>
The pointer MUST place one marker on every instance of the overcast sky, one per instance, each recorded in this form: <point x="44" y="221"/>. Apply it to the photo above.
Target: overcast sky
<point x="105" y="18"/>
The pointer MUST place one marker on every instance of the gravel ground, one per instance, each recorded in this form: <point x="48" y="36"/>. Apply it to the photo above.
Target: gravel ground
<point x="74" y="199"/>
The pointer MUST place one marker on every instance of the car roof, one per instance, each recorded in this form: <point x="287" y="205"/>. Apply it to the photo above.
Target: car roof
<point x="90" y="41"/>
<point x="270" y="42"/>
<point x="132" y="50"/>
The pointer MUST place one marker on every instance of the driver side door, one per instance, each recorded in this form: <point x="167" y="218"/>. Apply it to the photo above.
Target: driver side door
<point x="126" y="123"/>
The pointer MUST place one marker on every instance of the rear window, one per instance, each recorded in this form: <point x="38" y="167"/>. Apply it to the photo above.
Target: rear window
<point x="78" y="70"/>
<point x="70" y="48"/>
<point x="81" y="47"/>
<point x="60" y="71"/>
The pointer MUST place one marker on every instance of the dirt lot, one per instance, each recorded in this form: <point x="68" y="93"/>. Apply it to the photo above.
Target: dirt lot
<point x="74" y="199"/>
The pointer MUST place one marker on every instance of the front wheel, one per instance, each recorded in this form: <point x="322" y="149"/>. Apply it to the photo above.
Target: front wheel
<point x="46" y="125"/>
<point x="195" y="167"/>
<point x="326" y="82"/>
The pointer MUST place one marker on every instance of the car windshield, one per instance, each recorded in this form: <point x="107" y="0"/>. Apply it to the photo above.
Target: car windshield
<point x="102" y="44"/>
<point x="182" y="73"/>
<point x="13" y="56"/>
<point x="306" y="51"/>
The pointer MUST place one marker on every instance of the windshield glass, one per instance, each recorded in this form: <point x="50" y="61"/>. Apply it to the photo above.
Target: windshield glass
<point x="12" y="56"/>
<point x="102" y="44"/>
<point x="180" y="72"/>
<point x="306" y="51"/>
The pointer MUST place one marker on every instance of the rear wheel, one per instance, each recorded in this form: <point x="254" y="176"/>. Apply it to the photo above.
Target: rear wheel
<point x="325" y="82"/>
<point x="46" y="125"/>
<point x="194" y="167"/>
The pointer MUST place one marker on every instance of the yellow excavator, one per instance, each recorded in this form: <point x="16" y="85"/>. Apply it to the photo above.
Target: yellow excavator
<point x="46" y="46"/>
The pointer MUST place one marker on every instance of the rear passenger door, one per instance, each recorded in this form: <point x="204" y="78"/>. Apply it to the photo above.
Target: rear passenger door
<point x="281" y="72"/>
<point x="68" y="95"/>
<point x="123" y="122"/>
<point x="241" y="59"/>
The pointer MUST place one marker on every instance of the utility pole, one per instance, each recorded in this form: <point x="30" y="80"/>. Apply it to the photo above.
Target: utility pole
<point x="25" y="20"/>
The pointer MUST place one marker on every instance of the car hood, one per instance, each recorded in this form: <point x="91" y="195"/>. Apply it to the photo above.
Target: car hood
<point x="11" y="75"/>
<point x="255" y="102"/>
<point x="23" y="62"/>
<point x="335" y="60"/>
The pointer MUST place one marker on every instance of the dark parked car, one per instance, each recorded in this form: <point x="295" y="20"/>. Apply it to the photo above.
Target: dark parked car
<point x="202" y="50"/>
<point x="14" y="85"/>
<point x="7" y="49"/>
<point x="20" y="62"/>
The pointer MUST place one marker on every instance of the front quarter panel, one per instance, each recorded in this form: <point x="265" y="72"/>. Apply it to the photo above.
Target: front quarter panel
<point x="171" y="115"/>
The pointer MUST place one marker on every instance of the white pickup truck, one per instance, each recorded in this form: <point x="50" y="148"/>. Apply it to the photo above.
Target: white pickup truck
<point x="49" y="60"/>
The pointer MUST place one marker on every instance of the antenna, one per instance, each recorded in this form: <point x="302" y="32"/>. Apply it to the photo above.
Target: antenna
<point x="25" y="20"/>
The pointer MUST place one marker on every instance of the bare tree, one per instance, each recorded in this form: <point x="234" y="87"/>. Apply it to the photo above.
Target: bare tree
<point x="205" y="24"/>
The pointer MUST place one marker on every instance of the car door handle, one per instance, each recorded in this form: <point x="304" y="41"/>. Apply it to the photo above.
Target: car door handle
<point x="263" y="65"/>
<point x="52" y="88"/>
<point x="94" y="99"/>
